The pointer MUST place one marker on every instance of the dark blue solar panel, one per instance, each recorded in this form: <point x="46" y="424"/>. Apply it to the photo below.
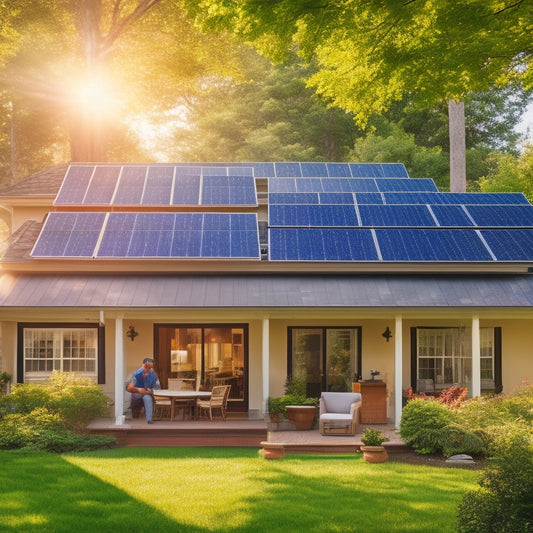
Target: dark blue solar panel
<point x="309" y="185"/>
<point x="366" y="170"/>
<point x="474" y="198"/>
<point x="186" y="190"/>
<point x="338" y="170"/>
<point x="395" y="215"/>
<point x="131" y="186"/>
<point x="74" y="185"/>
<point x="451" y="215"/>
<point x="102" y="185"/>
<point x="363" y="185"/>
<point x="224" y="235"/>
<point x="188" y="171"/>
<point x="282" y="185"/>
<point x="214" y="171"/>
<point x="368" y="198"/>
<point x="431" y="245"/>
<point x="312" y="215"/>
<point x="293" y="198"/>
<point x="69" y="235"/>
<point x="228" y="190"/>
<point x="302" y="244"/>
<point x="158" y="186"/>
<point x="510" y="244"/>
<point x="240" y="171"/>
<point x="263" y="170"/>
<point x="337" y="185"/>
<point x="312" y="170"/>
<point x="406" y="185"/>
<point x="410" y="198"/>
<point x="337" y="198"/>
<point x="288" y="170"/>
<point x="394" y="170"/>
<point x="501" y="215"/>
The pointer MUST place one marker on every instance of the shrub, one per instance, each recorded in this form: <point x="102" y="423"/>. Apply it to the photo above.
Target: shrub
<point x="504" y="500"/>
<point x="460" y="439"/>
<point x="373" y="437"/>
<point x="422" y="424"/>
<point x="453" y="396"/>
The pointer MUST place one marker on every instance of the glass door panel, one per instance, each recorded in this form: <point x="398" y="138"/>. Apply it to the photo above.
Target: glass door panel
<point x="341" y="362"/>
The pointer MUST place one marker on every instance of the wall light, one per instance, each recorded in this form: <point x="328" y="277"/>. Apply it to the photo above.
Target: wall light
<point x="132" y="333"/>
<point x="387" y="333"/>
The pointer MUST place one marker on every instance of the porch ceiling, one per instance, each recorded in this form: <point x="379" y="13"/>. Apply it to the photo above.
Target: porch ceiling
<point x="262" y="291"/>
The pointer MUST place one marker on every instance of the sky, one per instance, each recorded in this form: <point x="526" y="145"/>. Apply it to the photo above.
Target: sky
<point x="527" y="122"/>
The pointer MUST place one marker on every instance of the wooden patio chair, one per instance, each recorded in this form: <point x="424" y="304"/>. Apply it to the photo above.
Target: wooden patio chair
<point x="185" y="406"/>
<point x="218" y="400"/>
<point x="162" y="408"/>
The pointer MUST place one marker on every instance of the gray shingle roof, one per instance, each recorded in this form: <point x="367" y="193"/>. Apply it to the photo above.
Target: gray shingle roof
<point x="44" y="183"/>
<point x="260" y="291"/>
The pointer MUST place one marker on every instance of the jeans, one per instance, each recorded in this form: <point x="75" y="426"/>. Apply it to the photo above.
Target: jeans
<point x="148" y="402"/>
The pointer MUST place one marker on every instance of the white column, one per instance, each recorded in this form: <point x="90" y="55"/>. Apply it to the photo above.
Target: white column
<point x="398" y="367"/>
<point x="265" y="358"/>
<point x="119" y="370"/>
<point x="476" y="357"/>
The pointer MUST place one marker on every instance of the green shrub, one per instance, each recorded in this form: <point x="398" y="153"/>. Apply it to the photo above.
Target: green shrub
<point x="460" y="439"/>
<point x="66" y="441"/>
<point x="24" y="398"/>
<point x="422" y="424"/>
<point x="277" y="405"/>
<point x="504" y="500"/>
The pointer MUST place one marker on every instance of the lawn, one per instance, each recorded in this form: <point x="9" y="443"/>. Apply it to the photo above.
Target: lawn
<point x="163" y="490"/>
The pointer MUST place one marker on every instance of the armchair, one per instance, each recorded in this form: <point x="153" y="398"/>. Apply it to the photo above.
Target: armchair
<point x="339" y="413"/>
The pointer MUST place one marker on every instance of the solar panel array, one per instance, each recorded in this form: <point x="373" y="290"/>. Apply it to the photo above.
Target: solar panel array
<point x="157" y="185"/>
<point x="317" y="212"/>
<point x="394" y="220"/>
<point x="149" y="235"/>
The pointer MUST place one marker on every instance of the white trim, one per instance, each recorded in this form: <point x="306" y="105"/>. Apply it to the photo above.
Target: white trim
<point x="398" y="371"/>
<point x="119" y="371"/>
<point x="476" y="357"/>
<point x="266" y="363"/>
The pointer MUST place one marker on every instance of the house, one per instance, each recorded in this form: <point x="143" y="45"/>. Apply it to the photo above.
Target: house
<point x="246" y="273"/>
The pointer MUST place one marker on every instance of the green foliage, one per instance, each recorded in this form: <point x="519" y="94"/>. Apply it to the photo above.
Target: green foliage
<point x="373" y="437"/>
<point x="5" y="377"/>
<point x="44" y="416"/>
<point x="458" y="439"/>
<point x="504" y="500"/>
<point x="422" y="424"/>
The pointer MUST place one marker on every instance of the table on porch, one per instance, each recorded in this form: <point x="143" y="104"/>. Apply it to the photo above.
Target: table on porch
<point x="183" y="395"/>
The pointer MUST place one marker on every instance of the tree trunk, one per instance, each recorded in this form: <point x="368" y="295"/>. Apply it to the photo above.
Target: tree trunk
<point x="456" y="119"/>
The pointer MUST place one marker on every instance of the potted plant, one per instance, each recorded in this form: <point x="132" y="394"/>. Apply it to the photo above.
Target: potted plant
<point x="372" y="448"/>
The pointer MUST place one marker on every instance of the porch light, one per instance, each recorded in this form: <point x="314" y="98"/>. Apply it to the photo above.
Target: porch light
<point x="132" y="333"/>
<point x="387" y="333"/>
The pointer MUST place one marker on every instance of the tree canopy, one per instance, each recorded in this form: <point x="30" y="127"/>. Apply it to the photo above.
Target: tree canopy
<point x="373" y="53"/>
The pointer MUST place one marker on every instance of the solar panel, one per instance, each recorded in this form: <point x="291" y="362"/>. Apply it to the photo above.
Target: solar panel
<point x="366" y="170"/>
<point x="288" y="170"/>
<point x="468" y="198"/>
<point x="158" y="186"/>
<point x="69" y="235"/>
<point x="228" y="190"/>
<point x="102" y="185"/>
<point x="510" y="244"/>
<point x="312" y="215"/>
<point x="431" y="245"/>
<point x="314" y="169"/>
<point x="314" y="244"/>
<point x="406" y="185"/>
<point x="130" y="186"/>
<point x="395" y="215"/>
<point x="145" y="235"/>
<point x="338" y="170"/>
<point x="451" y="215"/>
<point x="368" y="198"/>
<point x="501" y="215"/>
<point x="74" y="185"/>
<point x="293" y="198"/>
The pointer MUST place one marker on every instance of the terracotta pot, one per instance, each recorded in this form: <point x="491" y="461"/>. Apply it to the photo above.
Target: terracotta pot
<point x="374" y="454"/>
<point x="302" y="416"/>
<point x="273" y="451"/>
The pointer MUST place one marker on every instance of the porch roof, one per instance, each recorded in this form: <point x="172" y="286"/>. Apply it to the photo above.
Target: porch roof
<point x="265" y="291"/>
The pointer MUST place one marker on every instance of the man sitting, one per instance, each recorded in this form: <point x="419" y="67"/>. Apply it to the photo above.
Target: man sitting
<point x="142" y="384"/>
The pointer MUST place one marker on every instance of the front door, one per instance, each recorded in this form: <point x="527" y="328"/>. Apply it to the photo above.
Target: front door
<point x="325" y="358"/>
<point x="205" y="355"/>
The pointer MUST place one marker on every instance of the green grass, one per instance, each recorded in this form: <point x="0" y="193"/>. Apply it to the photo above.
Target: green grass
<point x="163" y="490"/>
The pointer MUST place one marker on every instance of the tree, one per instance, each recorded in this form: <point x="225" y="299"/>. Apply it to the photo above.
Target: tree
<point x="97" y="63"/>
<point x="373" y="53"/>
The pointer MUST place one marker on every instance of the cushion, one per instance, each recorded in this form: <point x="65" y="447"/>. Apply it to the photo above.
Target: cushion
<point x="336" y="416"/>
<point x="340" y="402"/>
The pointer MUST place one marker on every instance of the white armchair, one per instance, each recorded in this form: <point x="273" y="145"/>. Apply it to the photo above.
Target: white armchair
<point x="339" y="413"/>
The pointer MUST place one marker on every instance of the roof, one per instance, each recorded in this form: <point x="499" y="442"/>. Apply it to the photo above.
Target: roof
<point x="44" y="183"/>
<point x="266" y="291"/>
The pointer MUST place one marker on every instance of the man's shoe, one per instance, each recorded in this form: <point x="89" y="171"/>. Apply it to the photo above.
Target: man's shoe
<point x="150" y="422"/>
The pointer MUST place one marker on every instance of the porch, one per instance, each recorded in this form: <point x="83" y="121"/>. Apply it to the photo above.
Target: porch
<point x="237" y="430"/>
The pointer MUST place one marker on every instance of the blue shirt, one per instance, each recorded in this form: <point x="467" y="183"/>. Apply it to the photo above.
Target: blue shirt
<point x="150" y="381"/>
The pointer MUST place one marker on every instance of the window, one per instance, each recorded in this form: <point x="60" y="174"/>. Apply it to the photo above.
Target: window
<point x="325" y="358"/>
<point x="66" y="349"/>
<point x="443" y="357"/>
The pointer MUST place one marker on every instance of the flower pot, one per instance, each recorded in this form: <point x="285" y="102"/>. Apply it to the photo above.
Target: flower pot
<point x="273" y="450"/>
<point x="374" y="454"/>
<point x="301" y="416"/>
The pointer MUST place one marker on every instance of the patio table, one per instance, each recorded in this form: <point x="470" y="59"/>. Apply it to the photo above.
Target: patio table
<point x="183" y="395"/>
